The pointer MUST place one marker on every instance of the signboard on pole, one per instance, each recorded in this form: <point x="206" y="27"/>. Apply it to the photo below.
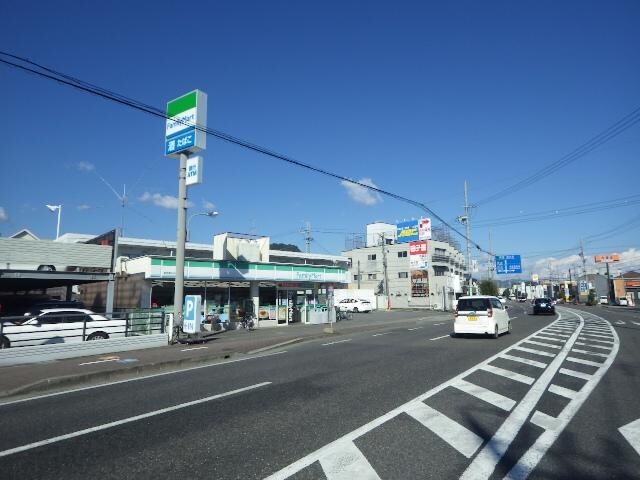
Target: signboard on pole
<point x="191" y="311"/>
<point x="194" y="170"/>
<point x="607" y="258"/>
<point x="185" y="116"/>
<point x="507" y="264"/>
<point x="407" y="231"/>
<point x="534" y="277"/>
<point x="418" y="255"/>
<point x="424" y="229"/>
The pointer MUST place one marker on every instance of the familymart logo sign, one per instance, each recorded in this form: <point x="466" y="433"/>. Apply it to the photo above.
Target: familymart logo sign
<point x="183" y="115"/>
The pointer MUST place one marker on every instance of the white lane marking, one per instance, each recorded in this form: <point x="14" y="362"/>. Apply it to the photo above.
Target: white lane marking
<point x="596" y="340"/>
<point x="584" y="362"/>
<point x="154" y="375"/>
<point x="554" y="334"/>
<point x="602" y="347"/>
<point x="568" y="330"/>
<point x="485" y="462"/>
<point x="587" y="352"/>
<point x="524" y="360"/>
<point x="620" y="322"/>
<point x="345" y="462"/>
<point x="124" y="421"/>
<point x="312" y="457"/>
<point x="532" y="457"/>
<point x="99" y="361"/>
<point x="338" y="341"/>
<point x="543" y="344"/>
<point x="508" y="374"/>
<point x="488" y="396"/>
<point x="595" y="335"/>
<point x="193" y="348"/>
<point x="438" y="338"/>
<point x="635" y="323"/>
<point x="464" y="441"/>
<point x="535" y="352"/>
<point x="540" y="337"/>
<point x="562" y="391"/>
<point x="415" y="328"/>
<point x="379" y="334"/>
<point x="631" y="432"/>
<point x="545" y="421"/>
<point x="574" y="373"/>
<point x="513" y="318"/>
<point x="436" y="324"/>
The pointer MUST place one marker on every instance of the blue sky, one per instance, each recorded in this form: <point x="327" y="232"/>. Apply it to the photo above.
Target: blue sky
<point x="414" y="97"/>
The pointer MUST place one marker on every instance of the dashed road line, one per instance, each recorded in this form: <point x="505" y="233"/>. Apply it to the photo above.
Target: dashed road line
<point x="194" y="348"/>
<point x="635" y="323"/>
<point x="338" y="341"/>
<point x="438" y="338"/>
<point x="380" y="334"/>
<point x="415" y="328"/>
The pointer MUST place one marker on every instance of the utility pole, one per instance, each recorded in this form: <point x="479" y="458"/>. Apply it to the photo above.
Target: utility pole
<point x="359" y="274"/>
<point x="178" y="297"/>
<point x="384" y="267"/>
<point x="490" y="265"/>
<point x="307" y="236"/>
<point x="466" y="220"/>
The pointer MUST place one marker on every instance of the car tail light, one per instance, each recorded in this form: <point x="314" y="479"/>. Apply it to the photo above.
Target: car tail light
<point x="490" y="312"/>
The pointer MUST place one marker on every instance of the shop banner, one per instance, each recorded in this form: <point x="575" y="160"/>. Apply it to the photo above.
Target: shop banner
<point x="418" y="255"/>
<point x="407" y="231"/>
<point x="424" y="229"/>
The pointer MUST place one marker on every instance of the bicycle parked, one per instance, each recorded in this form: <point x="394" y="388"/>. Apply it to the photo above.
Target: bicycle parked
<point x="249" y="322"/>
<point x="343" y="315"/>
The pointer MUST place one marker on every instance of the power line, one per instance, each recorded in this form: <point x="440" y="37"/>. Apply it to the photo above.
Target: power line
<point x="109" y="95"/>
<point x="564" y="212"/>
<point x="603" y="137"/>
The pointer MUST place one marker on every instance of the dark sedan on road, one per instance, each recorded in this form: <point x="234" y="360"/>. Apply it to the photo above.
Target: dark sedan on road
<point x="543" y="305"/>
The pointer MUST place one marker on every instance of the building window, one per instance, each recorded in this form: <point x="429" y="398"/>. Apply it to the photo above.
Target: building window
<point x="403" y="275"/>
<point x="402" y="254"/>
<point x="372" y="276"/>
<point x="439" y="251"/>
<point x="356" y="277"/>
<point x="371" y="257"/>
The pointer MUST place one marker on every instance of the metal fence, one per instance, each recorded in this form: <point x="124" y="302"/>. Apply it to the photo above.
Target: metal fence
<point x="48" y="328"/>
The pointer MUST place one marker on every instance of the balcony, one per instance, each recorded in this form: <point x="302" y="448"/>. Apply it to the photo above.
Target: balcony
<point x="440" y="259"/>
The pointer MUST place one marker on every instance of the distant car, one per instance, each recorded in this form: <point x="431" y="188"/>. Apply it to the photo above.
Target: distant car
<point x="604" y="300"/>
<point x="60" y="325"/>
<point x="543" y="305"/>
<point x="622" y="301"/>
<point x="512" y="297"/>
<point x="481" y="315"/>
<point x="502" y="299"/>
<point x="41" y="306"/>
<point x="522" y="299"/>
<point x="354" y="305"/>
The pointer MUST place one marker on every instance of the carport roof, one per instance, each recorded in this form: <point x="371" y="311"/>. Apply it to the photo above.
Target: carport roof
<point x="23" y="280"/>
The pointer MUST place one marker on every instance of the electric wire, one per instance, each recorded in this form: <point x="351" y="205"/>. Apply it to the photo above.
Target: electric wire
<point x="108" y="95"/>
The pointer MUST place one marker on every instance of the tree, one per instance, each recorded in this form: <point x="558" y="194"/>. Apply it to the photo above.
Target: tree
<point x="287" y="247"/>
<point x="507" y="292"/>
<point x="488" y="287"/>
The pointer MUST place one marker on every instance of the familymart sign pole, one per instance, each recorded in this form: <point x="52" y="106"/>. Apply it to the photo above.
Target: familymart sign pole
<point x="186" y="120"/>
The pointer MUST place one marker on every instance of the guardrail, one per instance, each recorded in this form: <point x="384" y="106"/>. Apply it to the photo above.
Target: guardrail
<point x="72" y="327"/>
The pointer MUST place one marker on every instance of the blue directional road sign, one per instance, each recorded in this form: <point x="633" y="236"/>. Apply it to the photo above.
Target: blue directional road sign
<point x="506" y="264"/>
<point x="191" y="312"/>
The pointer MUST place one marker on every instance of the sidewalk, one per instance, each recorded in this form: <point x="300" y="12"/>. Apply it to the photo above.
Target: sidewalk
<point x="20" y="380"/>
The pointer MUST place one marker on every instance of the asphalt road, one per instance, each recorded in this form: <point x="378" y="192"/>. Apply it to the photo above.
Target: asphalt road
<point x="399" y="403"/>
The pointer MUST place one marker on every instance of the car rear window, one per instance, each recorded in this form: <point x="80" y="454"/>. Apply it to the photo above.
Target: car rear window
<point x="473" y="304"/>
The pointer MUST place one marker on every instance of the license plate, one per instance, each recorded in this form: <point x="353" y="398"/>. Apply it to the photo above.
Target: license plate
<point x="472" y="318"/>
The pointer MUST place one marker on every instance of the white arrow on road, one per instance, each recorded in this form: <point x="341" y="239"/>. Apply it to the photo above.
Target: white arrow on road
<point x="631" y="432"/>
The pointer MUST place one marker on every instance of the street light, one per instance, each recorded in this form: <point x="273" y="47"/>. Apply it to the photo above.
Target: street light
<point x="210" y="214"/>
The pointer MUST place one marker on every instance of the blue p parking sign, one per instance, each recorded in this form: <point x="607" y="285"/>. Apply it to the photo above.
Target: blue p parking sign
<point x="191" y="312"/>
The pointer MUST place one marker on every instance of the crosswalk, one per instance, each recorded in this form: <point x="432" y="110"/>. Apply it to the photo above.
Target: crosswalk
<point x="564" y="360"/>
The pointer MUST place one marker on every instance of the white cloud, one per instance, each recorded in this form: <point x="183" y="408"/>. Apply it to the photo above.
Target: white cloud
<point x="164" y="201"/>
<point x="362" y="194"/>
<point x="3" y="215"/>
<point x="629" y="259"/>
<point x="84" y="206"/>
<point x="85" y="166"/>
<point x="208" y="205"/>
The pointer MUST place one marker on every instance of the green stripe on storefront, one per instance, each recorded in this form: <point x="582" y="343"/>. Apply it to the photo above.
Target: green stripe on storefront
<point x="166" y="262"/>
<point x="180" y="104"/>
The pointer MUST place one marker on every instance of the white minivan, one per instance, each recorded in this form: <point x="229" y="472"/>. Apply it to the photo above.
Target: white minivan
<point x="481" y="315"/>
